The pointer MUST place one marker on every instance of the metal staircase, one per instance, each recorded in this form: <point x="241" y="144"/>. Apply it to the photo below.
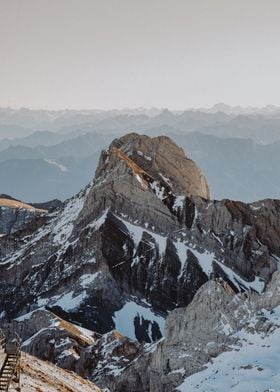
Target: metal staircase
<point x="10" y="370"/>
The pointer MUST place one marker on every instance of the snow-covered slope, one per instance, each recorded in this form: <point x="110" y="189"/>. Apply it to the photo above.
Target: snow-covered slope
<point x="252" y="365"/>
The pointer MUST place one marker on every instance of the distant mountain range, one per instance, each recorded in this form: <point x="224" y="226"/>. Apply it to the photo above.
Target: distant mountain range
<point x="52" y="154"/>
<point x="260" y="124"/>
<point x="236" y="110"/>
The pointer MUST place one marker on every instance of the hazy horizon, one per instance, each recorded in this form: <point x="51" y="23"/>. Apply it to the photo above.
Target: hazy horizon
<point x="108" y="55"/>
<point x="195" y="108"/>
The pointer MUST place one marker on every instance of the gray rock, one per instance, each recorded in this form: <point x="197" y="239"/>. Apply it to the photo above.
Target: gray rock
<point x="196" y="334"/>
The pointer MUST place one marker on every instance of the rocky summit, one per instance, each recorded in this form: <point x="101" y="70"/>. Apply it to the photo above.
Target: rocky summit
<point x="141" y="243"/>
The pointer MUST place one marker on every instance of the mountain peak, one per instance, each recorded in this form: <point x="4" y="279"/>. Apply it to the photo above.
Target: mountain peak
<point x="160" y="159"/>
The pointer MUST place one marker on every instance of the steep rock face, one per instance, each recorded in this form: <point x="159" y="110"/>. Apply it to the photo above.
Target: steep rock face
<point x="138" y="237"/>
<point x="15" y="216"/>
<point x="162" y="159"/>
<point x="49" y="205"/>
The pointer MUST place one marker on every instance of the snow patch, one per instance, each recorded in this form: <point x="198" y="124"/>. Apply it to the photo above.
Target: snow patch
<point x="56" y="164"/>
<point x="159" y="191"/>
<point x="179" y="203"/>
<point x="181" y="251"/>
<point x="206" y="262"/>
<point x="144" y="156"/>
<point x="68" y="301"/>
<point x="257" y="285"/>
<point x="27" y="316"/>
<point x="136" y="233"/>
<point x="64" y="226"/>
<point x="100" y="221"/>
<point x="139" y="179"/>
<point x="124" y="318"/>
<point x="87" y="279"/>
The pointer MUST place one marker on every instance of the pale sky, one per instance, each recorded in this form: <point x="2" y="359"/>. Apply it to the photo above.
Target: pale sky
<point x="104" y="54"/>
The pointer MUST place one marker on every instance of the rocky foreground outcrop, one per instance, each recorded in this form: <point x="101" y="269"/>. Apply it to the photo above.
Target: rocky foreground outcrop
<point x="39" y="376"/>
<point x="144" y="238"/>
<point x="216" y="321"/>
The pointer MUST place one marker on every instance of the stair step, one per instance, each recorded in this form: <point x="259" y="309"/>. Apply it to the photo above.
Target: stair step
<point x="11" y="350"/>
